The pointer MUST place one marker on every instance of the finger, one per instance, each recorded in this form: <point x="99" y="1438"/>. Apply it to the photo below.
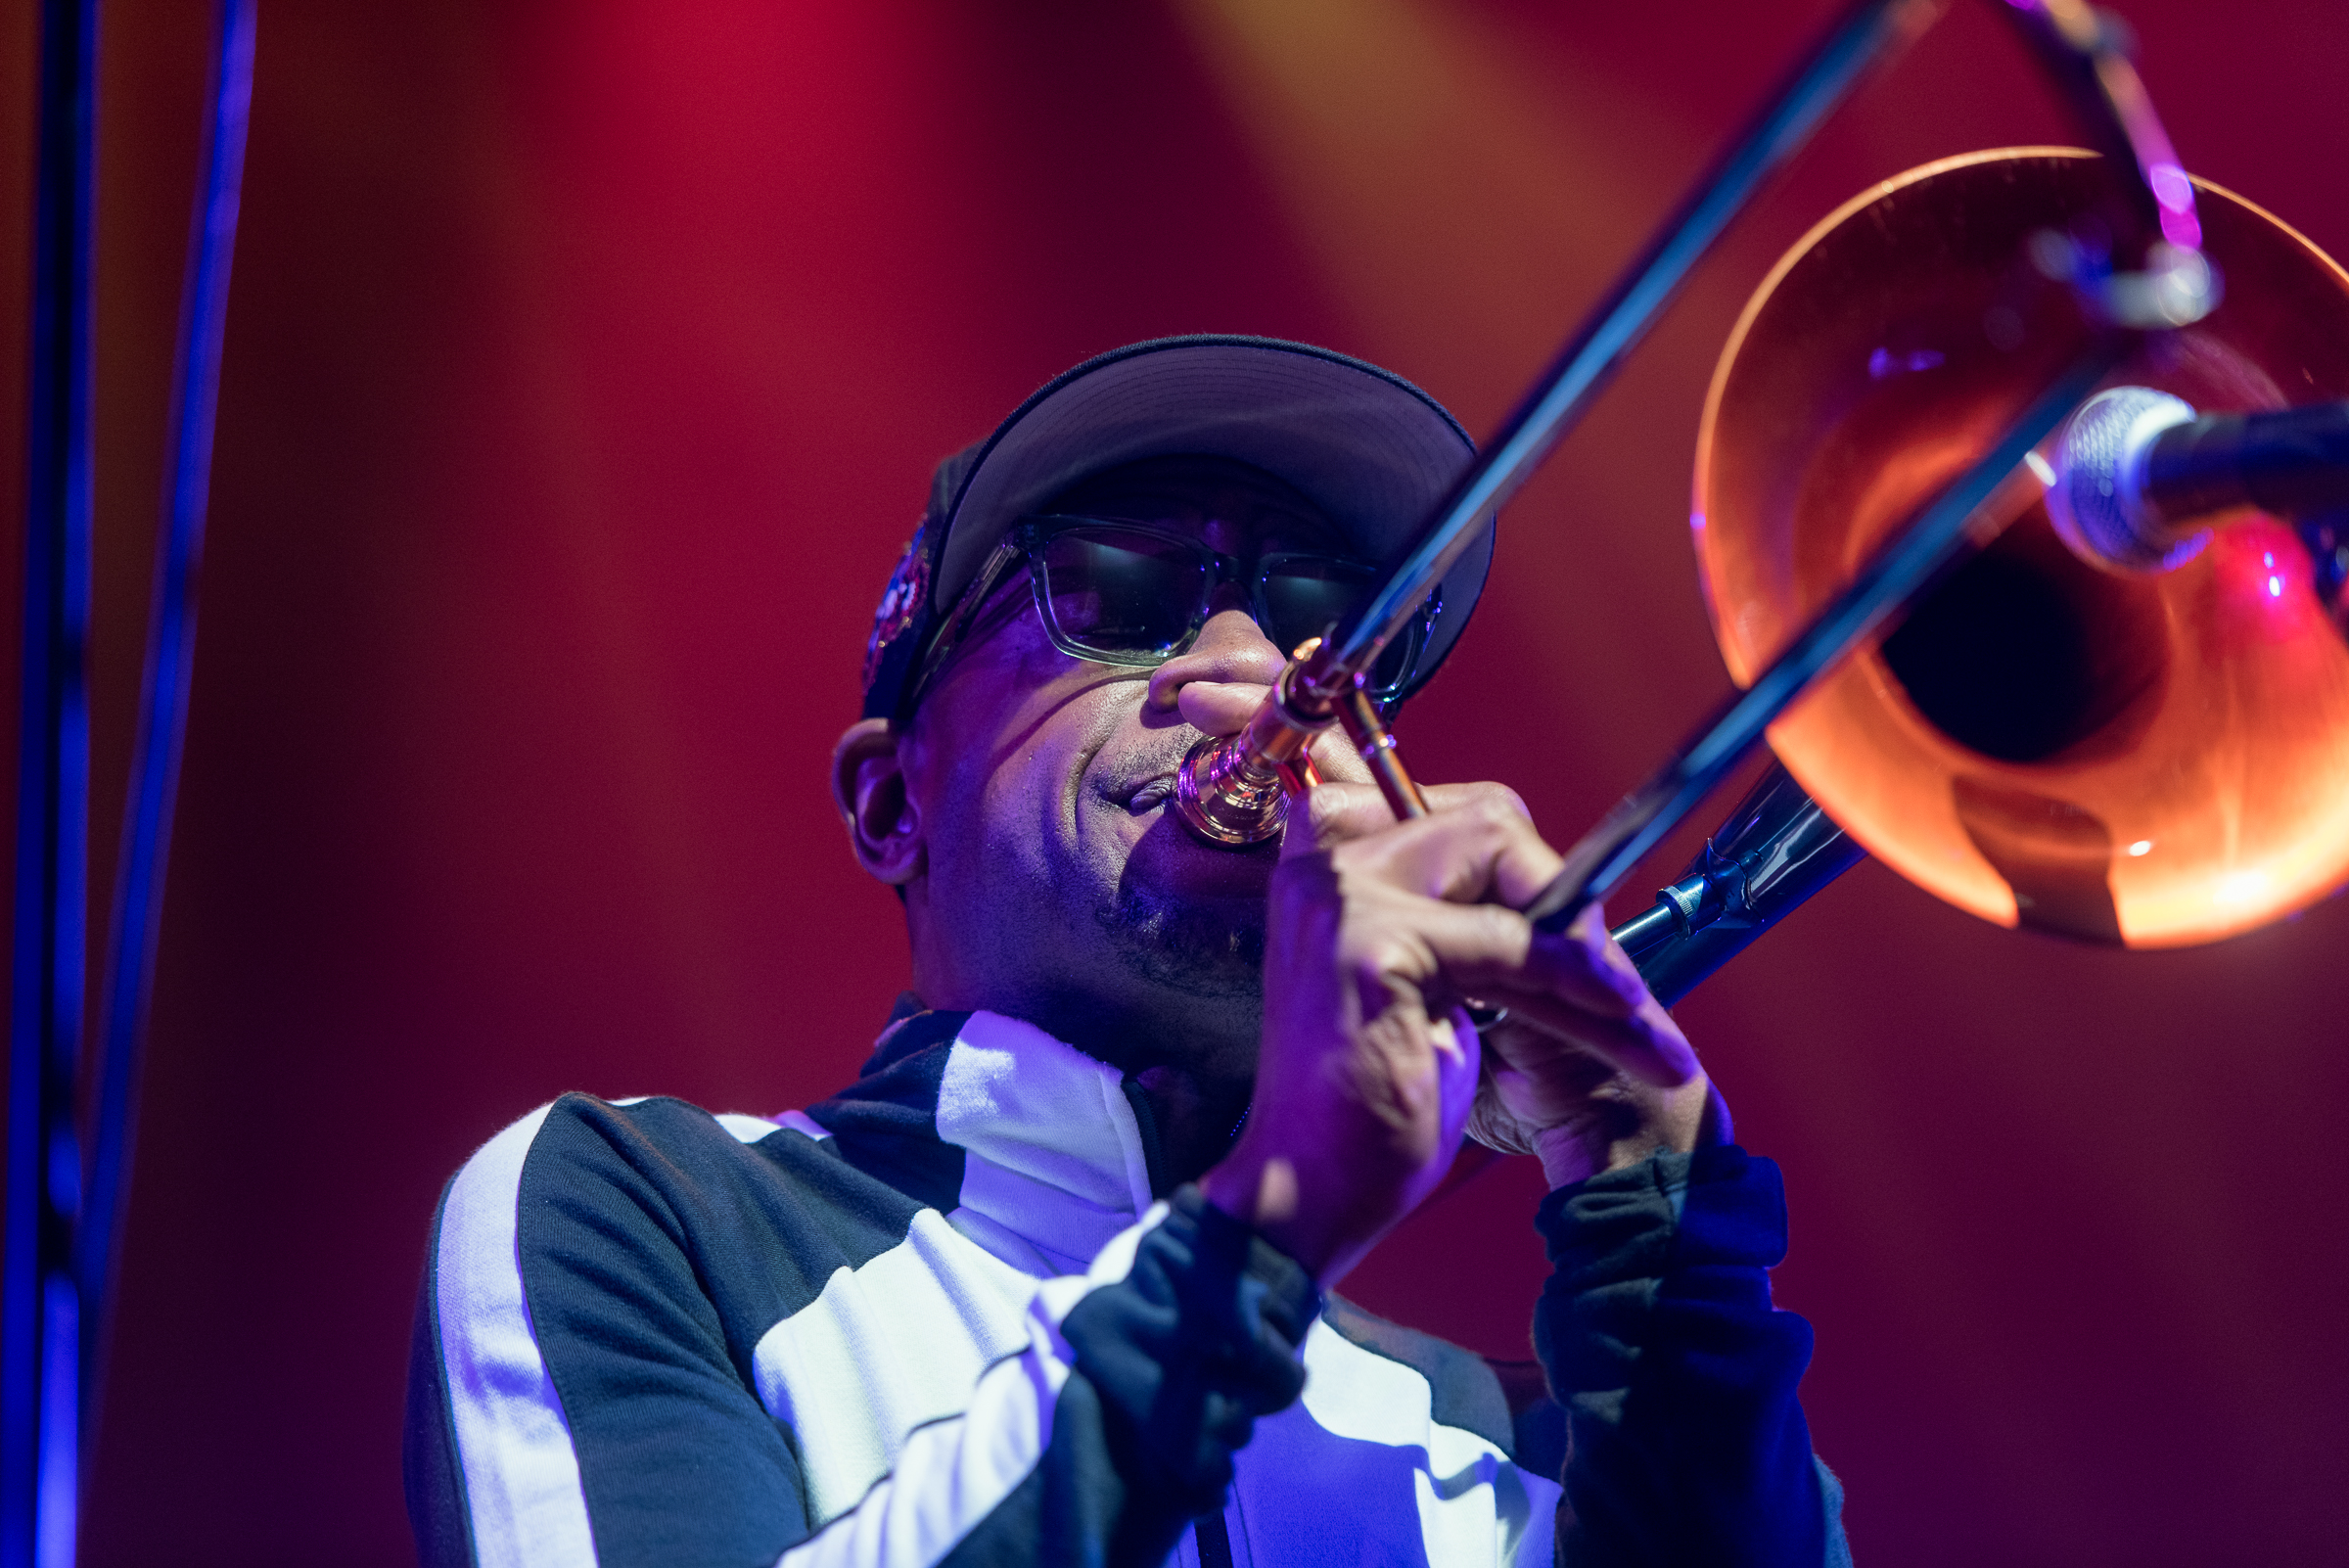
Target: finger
<point x="1335" y="812"/>
<point x="1458" y="797"/>
<point x="1590" y="934"/>
<point x="1646" y="1045"/>
<point x="1482" y="946"/>
<point x="1481" y="846"/>
<point x="1578" y="986"/>
<point x="1528" y="1053"/>
<point x="1336" y="759"/>
<point x="1459" y="1075"/>
<point x="1341" y="809"/>
<point x="1490" y="953"/>
<point x="1544" y="1020"/>
<point x="1715" y="1126"/>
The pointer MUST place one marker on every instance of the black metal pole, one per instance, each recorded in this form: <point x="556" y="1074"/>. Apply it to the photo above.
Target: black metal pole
<point x="39" y="1306"/>
<point x="162" y="698"/>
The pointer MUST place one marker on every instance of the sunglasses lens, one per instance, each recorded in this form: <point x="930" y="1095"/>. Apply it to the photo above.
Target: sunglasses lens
<point x="1305" y="596"/>
<point x="1122" y="594"/>
<point x="1132" y="595"/>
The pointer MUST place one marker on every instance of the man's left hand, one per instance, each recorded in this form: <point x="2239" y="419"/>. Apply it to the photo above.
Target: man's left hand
<point x="1553" y="1085"/>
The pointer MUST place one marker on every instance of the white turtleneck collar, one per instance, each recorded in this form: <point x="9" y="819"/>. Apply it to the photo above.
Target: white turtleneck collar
<point x="1053" y="1158"/>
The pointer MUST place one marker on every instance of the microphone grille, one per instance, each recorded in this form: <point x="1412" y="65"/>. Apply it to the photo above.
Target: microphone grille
<point x="2096" y="496"/>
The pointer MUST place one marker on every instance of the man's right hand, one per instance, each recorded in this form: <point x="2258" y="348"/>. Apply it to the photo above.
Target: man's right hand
<point x="1378" y="931"/>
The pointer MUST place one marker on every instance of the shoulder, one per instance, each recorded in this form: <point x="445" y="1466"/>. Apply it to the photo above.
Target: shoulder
<point x="590" y="1225"/>
<point x="634" y="1143"/>
<point x="584" y="1182"/>
<point x="591" y="1260"/>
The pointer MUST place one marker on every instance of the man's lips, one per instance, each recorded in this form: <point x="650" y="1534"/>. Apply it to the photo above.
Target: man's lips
<point x="1144" y="794"/>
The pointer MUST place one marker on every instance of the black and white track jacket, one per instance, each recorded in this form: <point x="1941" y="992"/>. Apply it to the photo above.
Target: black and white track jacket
<point x="953" y="1314"/>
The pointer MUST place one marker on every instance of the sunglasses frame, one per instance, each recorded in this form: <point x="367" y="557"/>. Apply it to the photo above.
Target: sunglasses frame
<point x="1025" y="539"/>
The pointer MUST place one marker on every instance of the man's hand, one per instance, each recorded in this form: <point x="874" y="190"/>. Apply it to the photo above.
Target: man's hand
<point x="1379" y="933"/>
<point x="1569" y="1101"/>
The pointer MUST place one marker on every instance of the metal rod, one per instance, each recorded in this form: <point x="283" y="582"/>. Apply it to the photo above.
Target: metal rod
<point x="1374" y="743"/>
<point x="39" y="1310"/>
<point x="1864" y="37"/>
<point x="163" y="693"/>
<point x="1244" y="812"/>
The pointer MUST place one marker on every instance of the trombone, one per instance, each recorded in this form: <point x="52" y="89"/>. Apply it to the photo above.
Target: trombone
<point x="1879" y="519"/>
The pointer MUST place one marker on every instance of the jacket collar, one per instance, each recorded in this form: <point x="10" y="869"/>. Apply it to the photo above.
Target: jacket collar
<point x="1056" y="1151"/>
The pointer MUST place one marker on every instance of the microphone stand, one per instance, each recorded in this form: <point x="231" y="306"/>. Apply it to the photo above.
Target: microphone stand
<point x="63" y="1226"/>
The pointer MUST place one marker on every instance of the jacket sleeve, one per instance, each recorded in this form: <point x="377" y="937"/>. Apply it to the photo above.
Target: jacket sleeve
<point x="1141" y="1382"/>
<point x="1096" y="1440"/>
<point x="1685" y="1440"/>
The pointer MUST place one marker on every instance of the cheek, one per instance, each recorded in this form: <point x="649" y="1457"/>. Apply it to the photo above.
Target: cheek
<point x="1037" y="803"/>
<point x="996" y="761"/>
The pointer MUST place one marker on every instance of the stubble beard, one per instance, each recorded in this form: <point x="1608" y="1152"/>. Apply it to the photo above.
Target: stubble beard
<point x="1211" y="951"/>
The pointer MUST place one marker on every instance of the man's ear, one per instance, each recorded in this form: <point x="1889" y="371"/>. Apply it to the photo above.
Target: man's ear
<point x="868" y="785"/>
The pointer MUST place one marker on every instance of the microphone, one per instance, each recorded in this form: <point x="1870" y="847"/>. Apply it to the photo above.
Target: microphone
<point x="2137" y="470"/>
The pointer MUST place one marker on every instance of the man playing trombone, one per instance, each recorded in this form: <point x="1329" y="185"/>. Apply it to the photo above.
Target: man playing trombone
<point x="1047" y="1282"/>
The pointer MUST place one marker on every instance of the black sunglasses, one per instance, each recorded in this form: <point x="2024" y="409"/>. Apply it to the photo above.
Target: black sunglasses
<point x="1119" y="592"/>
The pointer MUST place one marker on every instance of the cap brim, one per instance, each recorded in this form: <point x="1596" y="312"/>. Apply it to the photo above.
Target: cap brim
<point x="1373" y="452"/>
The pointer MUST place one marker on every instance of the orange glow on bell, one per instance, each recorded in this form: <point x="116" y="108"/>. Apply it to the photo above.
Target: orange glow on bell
<point x="2156" y="759"/>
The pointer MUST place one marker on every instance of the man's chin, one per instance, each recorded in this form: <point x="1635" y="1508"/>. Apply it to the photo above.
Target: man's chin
<point x="1190" y="918"/>
<point x="1214" y="950"/>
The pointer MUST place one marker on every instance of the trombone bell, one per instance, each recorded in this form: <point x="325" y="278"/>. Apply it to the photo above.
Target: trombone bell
<point x="2152" y="759"/>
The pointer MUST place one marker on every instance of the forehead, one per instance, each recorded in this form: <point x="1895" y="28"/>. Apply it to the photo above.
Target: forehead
<point x="1200" y="489"/>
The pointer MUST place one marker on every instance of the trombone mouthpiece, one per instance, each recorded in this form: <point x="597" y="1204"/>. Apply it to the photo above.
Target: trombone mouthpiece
<point x="1229" y="798"/>
<point x="1234" y="790"/>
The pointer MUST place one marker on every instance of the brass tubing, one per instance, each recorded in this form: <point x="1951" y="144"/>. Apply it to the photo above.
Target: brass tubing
<point x="1375" y="744"/>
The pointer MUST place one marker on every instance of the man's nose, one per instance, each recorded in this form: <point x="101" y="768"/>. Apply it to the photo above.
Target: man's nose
<point x="1219" y="680"/>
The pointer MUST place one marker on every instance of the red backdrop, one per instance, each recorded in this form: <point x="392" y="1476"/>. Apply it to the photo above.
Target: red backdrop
<point x="585" y="366"/>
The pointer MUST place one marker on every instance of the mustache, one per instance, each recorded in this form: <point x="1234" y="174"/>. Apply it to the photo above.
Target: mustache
<point x="1153" y="761"/>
